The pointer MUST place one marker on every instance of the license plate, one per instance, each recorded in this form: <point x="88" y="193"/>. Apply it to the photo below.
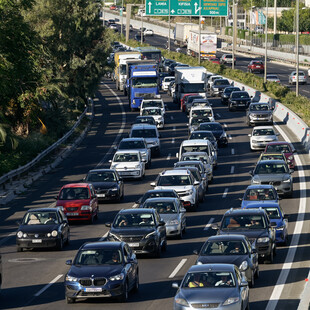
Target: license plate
<point x="72" y="214"/>
<point x="134" y="245"/>
<point x="36" y="240"/>
<point x="92" y="289"/>
<point x="241" y="104"/>
<point x="100" y="195"/>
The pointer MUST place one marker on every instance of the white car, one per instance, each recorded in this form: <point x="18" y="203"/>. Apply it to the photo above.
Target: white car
<point x="153" y="103"/>
<point x="128" y="164"/>
<point x="156" y="113"/>
<point x="166" y="81"/>
<point x="261" y="136"/>
<point x="204" y="102"/>
<point x="200" y="111"/>
<point x="148" y="32"/>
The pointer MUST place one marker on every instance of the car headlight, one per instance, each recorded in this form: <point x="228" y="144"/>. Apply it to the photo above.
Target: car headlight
<point x="150" y="235"/>
<point x="181" y="301"/>
<point x="223" y="135"/>
<point x="280" y="228"/>
<point x="86" y="208"/>
<point x="71" y="279"/>
<point x="244" y="266"/>
<point x="20" y="234"/>
<point x="190" y="192"/>
<point x="54" y="233"/>
<point x="287" y="180"/>
<point x="263" y="240"/>
<point x="231" y="300"/>
<point x="137" y="166"/>
<point x="252" y="115"/>
<point x="114" y="237"/>
<point x="173" y="222"/>
<point x="61" y="208"/>
<point x="117" y="277"/>
<point x="254" y="141"/>
<point x="114" y="189"/>
<point x="291" y="157"/>
<point x="133" y="101"/>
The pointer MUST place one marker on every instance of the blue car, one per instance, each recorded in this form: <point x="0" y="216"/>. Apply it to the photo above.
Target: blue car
<point x="256" y="193"/>
<point x="277" y="216"/>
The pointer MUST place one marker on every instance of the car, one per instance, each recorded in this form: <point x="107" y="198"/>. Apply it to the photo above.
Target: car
<point x="142" y="229"/>
<point x="259" y="192"/>
<point x="138" y="144"/>
<point x="153" y="103"/>
<point x="137" y="37"/>
<point x="204" y="134"/>
<point x="148" y="32"/>
<point x="276" y="173"/>
<point x="270" y="156"/>
<point x="211" y="79"/>
<point x="231" y="249"/>
<point x="284" y="147"/>
<point x="166" y="82"/>
<point x="43" y="228"/>
<point x="183" y="182"/>
<point x="172" y="212"/>
<point x="157" y="113"/>
<point x="202" y="102"/>
<point x="226" y="93"/>
<point x="113" y="7"/>
<point x="214" y="60"/>
<point x="150" y="134"/>
<point x="79" y="202"/>
<point x="145" y="120"/>
<point x="184" y="100"/>
<point x="194" y="123"/>
<point x="239" y="100"/>
<point x="218" y="285"/>
<point x="259" y="113"/>
<point x="107" y="183"/>
<point x="167" y="63"/>
<point x="218" y="87"/>
<point x="276" y="216"/>
<point x="196" y="158"/>
<point x="114" y="27"/>
<point x="218" y="131"/>
<point x="202" y="112"/>
<point x="102" y="270"/>
<point x="256" y="66"/>
<point x="227" y="59"/>
<point x="261" y="136"/>
<point x="189" y="100"/>
<point x="302" y="78"/>
<point x="115" y="43"/>
<point x="254" y="224"/>
<point x="273" y="78"/>
<point x="155" y="194"/>
<point x="128" y="164"/>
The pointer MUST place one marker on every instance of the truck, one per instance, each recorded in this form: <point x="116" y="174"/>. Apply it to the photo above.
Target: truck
<point x="208" y="44"/>
<point x="182" y="31"/>
<point x="142" y="83"/>
<point x="190" y="80"/>
<point x="120" y="59"/>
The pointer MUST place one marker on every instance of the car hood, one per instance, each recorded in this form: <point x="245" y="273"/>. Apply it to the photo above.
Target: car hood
<point x="133" y="231"/>
<point x="95" y="271"/>
<point x="169" y="217"/>
<point x="271" y="177"/>
<point x="73" y="203"/>
<point x="222" y="259"/>
<point x="265" y="138"/>
<point x="246" y="203"/>
<point x="38" y="228"/>
<point x="260" y="112"/>
<point x="176" y="188"/>
<point x="241" y="99"/>
<point x="125" y="165"/>
<point x="104" y="185"/>
<point x="251" y="234"/>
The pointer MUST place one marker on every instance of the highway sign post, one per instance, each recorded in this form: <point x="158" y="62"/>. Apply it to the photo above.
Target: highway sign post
<point x="186" y="7"/>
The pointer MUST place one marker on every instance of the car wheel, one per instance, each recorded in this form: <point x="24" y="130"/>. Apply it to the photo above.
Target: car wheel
<point x="164" y="246"/>
<point x="229" y="107"/>
<point x="70" y="300"/>
<point x="285" y="240"/>
<point x="59" y="244"/>
<point x="136" y="286"/>
<point x="124" y="296"/>
<point x="157" y="251"/>
<point x="180" y="236"/>
<point x="68" y="238"/>
<point x="91" y="220"/>
<point x="269" y="258"/>
<point x="257" y="273"/>
<point x="252" y="282"/>
<point x="19" y="249"/>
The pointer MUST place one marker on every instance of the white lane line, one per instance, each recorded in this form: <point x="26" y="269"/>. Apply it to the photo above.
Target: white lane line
<point x="48" y="285"/>
<point x="229" y="137"/>
<point x="121" y="130"/>
<point x="177" y="269"/>
<point x="173" y="140"/>
<point x="171" y="117"/>
<point x="104" y="236"/>
<point x="304" y="300"/>
<point x="232" y="151"/>
<point x="218" y="115"/>
<point x="209" y="223"/>
<point x="225" y="125"/>
<point x="278" y="288"/>
<point x="225" y="193"/>
<point x="174" y="128"/>
<point x="169" y="156"/>
<point x="232" y="169"/>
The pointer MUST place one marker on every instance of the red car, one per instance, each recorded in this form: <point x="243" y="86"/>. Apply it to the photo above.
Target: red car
<point x="215" y="60"/>
<point x="283" y="147"/>
<point x="113" y="7"/>
<point x="79" y="202"/>
<point x="256" y="66"/>
<point x="184" y="99"/>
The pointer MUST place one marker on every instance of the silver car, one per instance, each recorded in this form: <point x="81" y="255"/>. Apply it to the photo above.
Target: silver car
<point x="219" y="286"/>
<point x="259" y="113"/>
<point x="276" y="173"/>
<point x="302" y="78"/>
<point x="171" y="212"/>
<point x="261" y="136"/>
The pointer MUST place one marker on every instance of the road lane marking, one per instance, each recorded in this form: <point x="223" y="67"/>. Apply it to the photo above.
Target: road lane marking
<point x="209" y="223"/>
<point x="225" y="125"/>
<point x="173" y="140"/>
<point x="177" y="269"/>
<point x="169" y="156"/>
<point x="229" y="137"/>
<point x="218" y="115"/>
<point x="232" y="151"/>
<point x="174" y="128"/>
<point x="225" y="193"/>
<point x="171" y="117"/>
<point x="104" y="236"/>
<point x="232" y="169"/>
<point x="48" y="285"/>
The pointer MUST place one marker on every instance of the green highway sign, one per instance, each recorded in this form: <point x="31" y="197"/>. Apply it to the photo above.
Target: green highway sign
<point x="186" y="7"/>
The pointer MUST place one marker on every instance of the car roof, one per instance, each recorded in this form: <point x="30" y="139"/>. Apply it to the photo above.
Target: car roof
<point x="175" y="172"/>
<point x="226" y="237"/>
<point x="201" y="107"/>
<point x="190" y="162"/>
<point x="151" y="108"/>
<point x="203" y="131"/>
<point x="263" y="127"/>
<point x="234" y="212"/>
<point x="211" y="267"/>
<point x="133" y="139"/>
<point x="154" y="199"/>
<point x="76" y="185"/>
<point x="257" y="103"/>
<point x="262" y="204"/>
<point x="189" y="168"/>
<point x="279" y="142"/>
<point x="136" y="211"/>
<point x="143" y="126"/>
<point x="195" y="142"/>
<point x="194" y="153"/>
<point x="101" y="245"/>
<point x="127" y="151"/>
<point x="160" y="190"/>
<point x="101" y="170"/>
<point x="272" y="161"/>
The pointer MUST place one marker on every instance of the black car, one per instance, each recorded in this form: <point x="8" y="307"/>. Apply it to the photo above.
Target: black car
<point x="145" y="120"/>
<point x="231" y="249"/>
<point x="218" y="131"/>
<point x="102" y="269"/>
<point x="156" y="193"/>
<point x="0" y="271"/>
<point x="142" y="229"/>
<point x="43" y="228"/>
<point x="239" y="100"/>
<point x="226" y="93"/>
<point x="254" y="224"/>
<point x="205" y="135"/>
<point x="107" y="183"/>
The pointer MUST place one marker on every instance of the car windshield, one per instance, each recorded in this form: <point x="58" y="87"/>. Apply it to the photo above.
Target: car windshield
<point x="263" y="132"/>
<point x="240" y="95"/>
<point x="105" y="176"/>
<point x="152" y="103"/>
<point x="134" y="220"/>
<point x="74" y="193"/>
<point x="221" y="82"/>
<point x="40" y="218"/>
<point x="131" y="145"/>
<point x="144" y="82"/>
<point x="273" y="212"/>
<point x="93" y="257"/>
<point x="125" y="157"/>
<point x="278" y="148"/>
<point x="144" y="133"/>
<point x="169" y="79"/>
<point x="151" y="111"/>
<point x="211" y="127"/>
<point x="201" y="113"/>
<point x="199" y="120"/>
<point x="244" y="222"/>
<point x="272" y="156"/>
<point x="199" y="102"/>
<point x="174" y="180"/>
<point x="229" y="90"/>
<point x="192" y="98"/>
<point x="202" y="135"/>
<point x="195" y="148"/>
<point x="259" y="107"/>
<point x="146" y="120"/>
<point x="195" y="157"/>
<point x="165" y="207"/>
<point x="192" y="88"/>
<point x="197" y="280"/>
<point x="224" y="248"/>
<point x="269" y="168"/>
<point x="259" y="194"/>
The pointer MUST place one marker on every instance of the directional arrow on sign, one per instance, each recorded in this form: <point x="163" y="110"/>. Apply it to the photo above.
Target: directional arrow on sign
<point x="150" y="5"/>
<point x="172" y="11"/>
<point x="196" y="10"/>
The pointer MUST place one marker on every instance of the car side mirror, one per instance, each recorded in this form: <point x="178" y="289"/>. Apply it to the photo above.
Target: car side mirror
<point x="175" y="285"/>
<point x="69" y="262"/>
<point x="240" y="198"/>
<point x="195" y="252"/>
<point x="251" y="172"/>
<point x="84" y="179"/>
<point x="161" y="223"/>
<point x="244" y="283"/>
<point x="143" y="160"/>
<point x="215" y="226"/>
<point x="291" y="170"/>
<point x="254" y="251"/>
<point x="115" y="147"/>
<point x="153" y="184"/>
<point x="108" y="224"/>
<point x="249" y="135"/>
<point x="286" y="216"/>
<point x="196" y="183"/>
<point x="177" y="155"/>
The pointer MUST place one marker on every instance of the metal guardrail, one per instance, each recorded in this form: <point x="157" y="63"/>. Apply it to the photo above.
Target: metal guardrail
<point x="17" y="172"/>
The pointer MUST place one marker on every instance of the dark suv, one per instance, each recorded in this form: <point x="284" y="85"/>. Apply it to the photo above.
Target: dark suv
<point x="255" y="225"/>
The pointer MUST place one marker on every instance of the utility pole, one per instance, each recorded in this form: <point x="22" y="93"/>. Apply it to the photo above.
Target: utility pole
<point x="142" y="26"/>
<point x="234" y="34"/>
<point x="199" y="34"/>
<point x="128" y="15"/>
<point x="297" y="47"/>
<point x="266" y="41"/>
<point x="122" y="17"/>
<point x="169" y="26"/>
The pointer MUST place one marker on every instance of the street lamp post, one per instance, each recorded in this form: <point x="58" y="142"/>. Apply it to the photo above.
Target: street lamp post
<point x="199" y="34"/>
<point x="297" y="47"/>
<point x="169" y="26"/>
<point x="234" y="34"/>
<point x="266" y="40"/>
<point x="142" y="25"/>
<point x="122" y="17"/>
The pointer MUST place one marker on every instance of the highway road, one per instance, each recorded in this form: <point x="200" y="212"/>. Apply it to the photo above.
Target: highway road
<point x="34" y="279"/>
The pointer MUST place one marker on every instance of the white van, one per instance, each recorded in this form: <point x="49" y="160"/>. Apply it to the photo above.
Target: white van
<point x="198" y="145"/>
